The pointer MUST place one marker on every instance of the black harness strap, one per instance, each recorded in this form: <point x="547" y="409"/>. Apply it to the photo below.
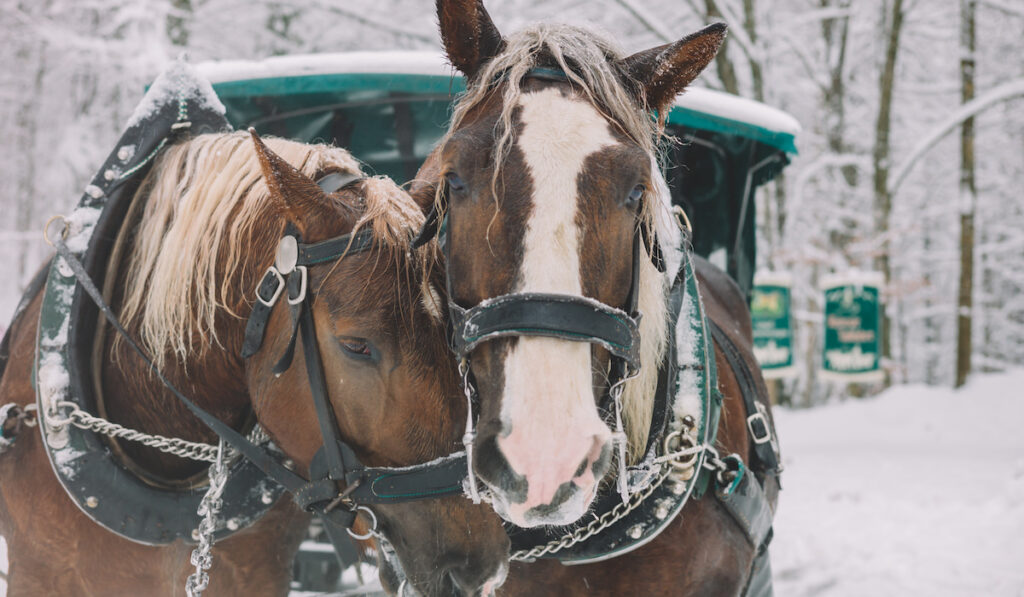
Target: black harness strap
<point x="335" y="248"/>
<point x="759" y="426"/>
<point x="267" y="294"/>
<point x="560" y="316"/>
<point x="262" y="459"/>
<point x="318" y="386"/>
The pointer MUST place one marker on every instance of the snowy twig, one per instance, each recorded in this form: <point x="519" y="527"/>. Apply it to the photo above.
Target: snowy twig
<point x="647" y="20"/>
<point x="373" y="21"/>
<point x="971" y="108"/>
<point x="738" y="33"/>
<point x="1013" y="10"/>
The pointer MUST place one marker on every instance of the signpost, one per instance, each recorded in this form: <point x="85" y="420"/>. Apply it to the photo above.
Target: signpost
<point x="851" y="348"/>
<point x="770" y="312"/>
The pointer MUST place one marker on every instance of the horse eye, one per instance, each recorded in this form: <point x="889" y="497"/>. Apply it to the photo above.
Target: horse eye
<point x="356" y="348"/>
<point x="455" y="183"/>
<point x="633" y="199"/>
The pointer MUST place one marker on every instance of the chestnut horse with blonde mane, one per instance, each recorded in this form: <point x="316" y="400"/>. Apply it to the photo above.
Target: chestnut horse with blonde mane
<point x="215" y="208"/>
<point x="548" y="184"/>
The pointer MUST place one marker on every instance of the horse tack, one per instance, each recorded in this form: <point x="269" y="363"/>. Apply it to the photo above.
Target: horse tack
<point x="615" y="529"/>
<point x="81" y="461"/>
<point x="660" y="488"/>
<point x="153" y="515"/>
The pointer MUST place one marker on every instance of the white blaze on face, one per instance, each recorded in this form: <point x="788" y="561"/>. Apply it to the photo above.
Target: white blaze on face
<point x="548" y="400"/>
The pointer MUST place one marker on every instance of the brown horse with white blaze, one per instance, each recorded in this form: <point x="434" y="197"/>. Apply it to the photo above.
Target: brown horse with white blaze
<point x="549" y="184"/>
<point x="215" y="209"/>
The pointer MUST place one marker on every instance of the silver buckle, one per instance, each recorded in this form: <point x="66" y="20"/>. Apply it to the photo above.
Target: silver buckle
<point x="277" y="292"/>
<point x="302" y="286"/>
<point x="759" y="416"/>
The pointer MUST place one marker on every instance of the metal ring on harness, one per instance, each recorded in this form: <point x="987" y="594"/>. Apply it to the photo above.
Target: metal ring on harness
<point x="682" y="442"/>
<point x="277" y="291"/>
<point x="682" y="219"/>
<point x="373" y="527"/>
<point x="63" y="233"/>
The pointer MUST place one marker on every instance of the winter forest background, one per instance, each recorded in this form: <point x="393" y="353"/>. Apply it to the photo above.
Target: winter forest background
<point x="872" y="82"/>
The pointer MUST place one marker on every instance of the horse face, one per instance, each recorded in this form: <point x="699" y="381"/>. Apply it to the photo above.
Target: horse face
<point x="561" y="221"/>
<point x="559" y="217"/>
<point x="392" y="384"/>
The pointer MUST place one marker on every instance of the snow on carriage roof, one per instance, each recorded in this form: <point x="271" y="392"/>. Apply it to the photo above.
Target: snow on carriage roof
<point x="698" y="107"/>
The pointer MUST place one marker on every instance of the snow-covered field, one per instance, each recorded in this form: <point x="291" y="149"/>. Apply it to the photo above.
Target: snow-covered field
<point x="918" y="491"/>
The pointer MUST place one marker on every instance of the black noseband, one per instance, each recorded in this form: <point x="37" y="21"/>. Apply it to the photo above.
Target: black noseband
<point x="561" y="316"/>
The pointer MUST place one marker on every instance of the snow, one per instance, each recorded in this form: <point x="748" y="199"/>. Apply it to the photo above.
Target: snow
<point x="690" y="380"/>
<point x="80" y="225"/>
<point x="918" y="491"/>
<point x="852" y="277"/>
<point x="179" y="81"/>
<point x="396" y="62"/>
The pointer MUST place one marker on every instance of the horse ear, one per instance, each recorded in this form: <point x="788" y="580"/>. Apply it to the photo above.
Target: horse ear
<point x="469" y="35"/>
<point x="297" y="194"/>
<point x="663" y="72"/>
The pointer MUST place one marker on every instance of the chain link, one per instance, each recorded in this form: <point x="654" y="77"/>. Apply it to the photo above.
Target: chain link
<point x="597" y="525"/>
<point x="209" y="507"/>
<point x="74" y="415"/>
<point x="620" y="511"/>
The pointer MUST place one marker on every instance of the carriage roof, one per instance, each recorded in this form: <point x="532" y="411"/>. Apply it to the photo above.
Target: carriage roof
<point x="429" y="73"/>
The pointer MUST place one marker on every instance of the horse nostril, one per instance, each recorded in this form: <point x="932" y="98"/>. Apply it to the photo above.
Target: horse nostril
<point x="597" y="461"/>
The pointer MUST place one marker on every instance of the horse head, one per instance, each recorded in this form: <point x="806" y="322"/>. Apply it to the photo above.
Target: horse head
<point x="550" y="188"/>
<point x="391" y="386"/>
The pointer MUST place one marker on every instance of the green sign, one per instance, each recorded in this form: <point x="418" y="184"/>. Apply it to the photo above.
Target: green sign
<point x="773" y="324"/>
<point x="851" y="348"/>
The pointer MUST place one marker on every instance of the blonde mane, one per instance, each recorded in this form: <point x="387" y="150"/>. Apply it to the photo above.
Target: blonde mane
<point x="207" y="205"/>
<point x="588" y="59"/>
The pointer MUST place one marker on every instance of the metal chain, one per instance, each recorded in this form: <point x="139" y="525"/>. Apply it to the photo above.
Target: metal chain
<point x="597" y="525"/>
<point x="171" y="445"/>
<point x="622" y="509"/>
<point x="209" y="507"/>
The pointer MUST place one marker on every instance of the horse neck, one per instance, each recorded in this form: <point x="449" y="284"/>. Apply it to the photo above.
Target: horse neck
<point x="213" y="378"/>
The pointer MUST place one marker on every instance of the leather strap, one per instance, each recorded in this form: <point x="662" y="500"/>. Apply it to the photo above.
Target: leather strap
<point x="388" y="485"/>
<point x="764" y="458"/>
<point x="262" y="459"/>
<point x="318" y="386"/>
<point x="335" y="248"/>
<point x="256" y="327"/>
<point x="565" y="317"/>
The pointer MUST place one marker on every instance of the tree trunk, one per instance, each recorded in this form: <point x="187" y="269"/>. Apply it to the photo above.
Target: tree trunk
<point x="835" y="32"/>
<point x="968" y="197"/>
<point x="750" y="25"/>
<point x="880" y="164"/>
<point x="178" y="23"/>
<point x="724" y="66"/>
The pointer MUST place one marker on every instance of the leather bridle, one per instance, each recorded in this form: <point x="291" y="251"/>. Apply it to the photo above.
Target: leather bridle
<point x="562" y="316"/>
<point x="337" y="477"/>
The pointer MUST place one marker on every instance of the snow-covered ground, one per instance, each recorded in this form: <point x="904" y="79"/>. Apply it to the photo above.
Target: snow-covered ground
<point x="918" y="491"/>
